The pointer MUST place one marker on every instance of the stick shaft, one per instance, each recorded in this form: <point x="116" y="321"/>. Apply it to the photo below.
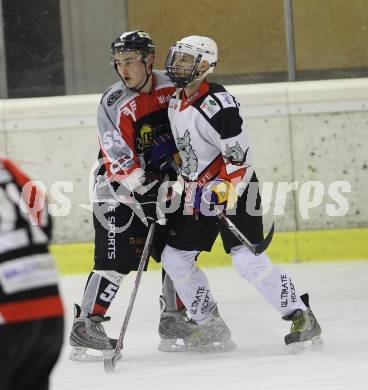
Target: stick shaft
<point x="141" y="267"/>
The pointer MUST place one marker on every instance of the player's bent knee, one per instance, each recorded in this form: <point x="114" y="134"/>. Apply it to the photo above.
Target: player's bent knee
<point x="249" y="266"/>
<point x="112" y="276"/>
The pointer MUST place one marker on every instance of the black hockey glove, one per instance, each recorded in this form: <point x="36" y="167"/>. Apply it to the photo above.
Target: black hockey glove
<point x="149" y="207"/>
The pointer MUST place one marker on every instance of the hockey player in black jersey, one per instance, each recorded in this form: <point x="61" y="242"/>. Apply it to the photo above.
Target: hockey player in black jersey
<point x="218" y="172"/>
<point x="31" y="311"/>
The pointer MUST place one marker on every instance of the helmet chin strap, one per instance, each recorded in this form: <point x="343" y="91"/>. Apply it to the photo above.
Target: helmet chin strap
<point x="203" y="74"/>
<point x="199" y="77"/>
<point x="147" y="78"/>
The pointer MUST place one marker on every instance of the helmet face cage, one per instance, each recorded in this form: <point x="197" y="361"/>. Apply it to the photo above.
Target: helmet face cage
<point x="200" y="49"/>
<point x="182" y="66"/>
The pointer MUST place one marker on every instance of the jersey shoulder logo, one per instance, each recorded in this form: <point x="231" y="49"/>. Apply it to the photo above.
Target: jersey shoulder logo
<point x="189" y="158"/>
<point x="210" y="107"/>
<point x="104" y="94"/>
<point x="226" y="99"/>
<point x="235" y="154"/>
<point x="114" y="97"/>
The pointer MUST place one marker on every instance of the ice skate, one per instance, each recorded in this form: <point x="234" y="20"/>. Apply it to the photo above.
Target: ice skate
<point x="174" y="327"/>
<point x="212" y="336"/>
<point x="305" y="332"/>
<point x="88" y="339"/>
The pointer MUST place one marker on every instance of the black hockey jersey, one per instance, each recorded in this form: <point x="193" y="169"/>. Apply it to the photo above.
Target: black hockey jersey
<point x="28" y="278"/>
<point x="210" y="135"/>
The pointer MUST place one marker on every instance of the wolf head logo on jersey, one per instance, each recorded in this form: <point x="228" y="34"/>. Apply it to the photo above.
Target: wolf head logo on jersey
<point x="235" y="154"/>
<point x="189" y="158"/>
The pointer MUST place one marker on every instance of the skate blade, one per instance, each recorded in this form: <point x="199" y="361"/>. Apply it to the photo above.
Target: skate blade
<point x="217" y="346"/>
<point x="172" y="345"/>
<point x="314" y="344"/>
<point x="89" y="355"/>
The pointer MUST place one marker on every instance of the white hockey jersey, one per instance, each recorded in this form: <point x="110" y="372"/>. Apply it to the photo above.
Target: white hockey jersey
<point x="210" y="135"/>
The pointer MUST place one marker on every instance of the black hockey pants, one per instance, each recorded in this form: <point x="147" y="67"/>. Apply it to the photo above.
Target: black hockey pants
<point x="28" y="352"/>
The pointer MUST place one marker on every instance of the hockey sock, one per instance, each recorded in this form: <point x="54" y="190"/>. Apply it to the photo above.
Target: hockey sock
<point x="100" y="290"/>
<point x="190" y="282"/>
<point x="271" y="281"/>
<point x="172" y="301"/>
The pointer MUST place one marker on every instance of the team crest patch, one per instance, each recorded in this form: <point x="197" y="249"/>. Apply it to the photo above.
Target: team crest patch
<point x="210" y="106"/>
<point x="225" y="99"/>
<point x="235" y="154"/>
<point x="114" y="97"/>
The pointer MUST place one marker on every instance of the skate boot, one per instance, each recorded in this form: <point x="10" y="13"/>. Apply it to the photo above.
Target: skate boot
<point x="212" y="336"/>
<point x="174" y="327"/>
<point x="305" y="332"/>
<point x="88" y="338"/>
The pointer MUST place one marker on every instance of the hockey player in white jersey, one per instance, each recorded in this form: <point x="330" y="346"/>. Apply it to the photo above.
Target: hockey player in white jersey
<point x="218" y="172"/>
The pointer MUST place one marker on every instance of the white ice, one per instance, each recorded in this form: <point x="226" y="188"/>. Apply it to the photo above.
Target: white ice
<point x="338" y="294"/>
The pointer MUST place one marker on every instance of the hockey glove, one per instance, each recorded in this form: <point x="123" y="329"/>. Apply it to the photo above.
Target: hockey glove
<point x="215" y="193"/>
<point x="162" y="146"/>
<point x="150" y="205"/>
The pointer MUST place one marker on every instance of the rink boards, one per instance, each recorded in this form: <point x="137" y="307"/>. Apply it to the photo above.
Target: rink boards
<point x="324" y="245"/>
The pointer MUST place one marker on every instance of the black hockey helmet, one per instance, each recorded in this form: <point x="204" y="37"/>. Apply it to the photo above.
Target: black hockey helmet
<point x="133" y="41"/>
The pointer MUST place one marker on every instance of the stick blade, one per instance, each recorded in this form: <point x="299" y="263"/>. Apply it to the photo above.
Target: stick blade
<point x="109" y="364"/>
<point x="262" y="246"/>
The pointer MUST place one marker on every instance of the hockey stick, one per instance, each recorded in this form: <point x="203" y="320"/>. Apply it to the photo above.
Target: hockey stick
<point x="110" y="363"/>
<point x="256" y="249"/>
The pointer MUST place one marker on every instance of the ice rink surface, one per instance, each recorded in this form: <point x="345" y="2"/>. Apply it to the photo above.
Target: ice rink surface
<point x="339" y="298"/>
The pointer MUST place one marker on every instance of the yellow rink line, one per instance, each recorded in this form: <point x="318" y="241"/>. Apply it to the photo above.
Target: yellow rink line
<point x="318" y="245"/>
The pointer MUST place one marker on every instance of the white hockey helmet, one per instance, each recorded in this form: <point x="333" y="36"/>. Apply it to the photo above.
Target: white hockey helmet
<point x="186" y="55"/>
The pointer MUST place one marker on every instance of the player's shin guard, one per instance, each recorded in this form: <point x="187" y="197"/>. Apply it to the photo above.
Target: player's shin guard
<point x="100" y="290"/>
<point x="271" y="281"/>
<point x="208" y="332"/>
<point x="170" y="297"/>
<point x="190" y="282"/>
